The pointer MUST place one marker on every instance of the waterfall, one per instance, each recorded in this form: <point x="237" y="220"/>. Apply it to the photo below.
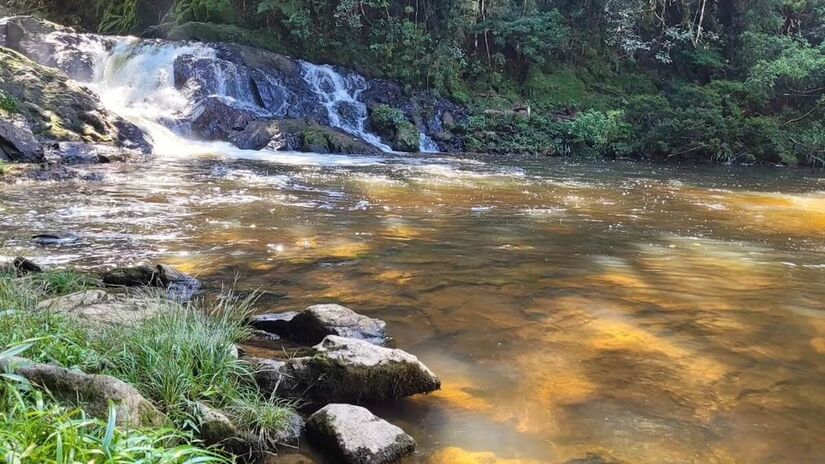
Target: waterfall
<point x="426" y="144"/>
<point x="162" y="85"/>
<point x="339" y="95"/>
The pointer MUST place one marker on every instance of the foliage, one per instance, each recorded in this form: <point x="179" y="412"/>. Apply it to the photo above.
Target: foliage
<point x="4" y="168"/>
<point x="8" y="103"/>
<point x="35" y="429"/>
<point x="386" y="118"/>
<point x="54" y="338"/>
<point x="200" y="338"/>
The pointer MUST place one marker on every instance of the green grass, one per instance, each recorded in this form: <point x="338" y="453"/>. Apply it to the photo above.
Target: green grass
<point x="55" y="338"/>
<point x="63" y="282"/>
<point x="34" y="429"/>
<point x="186" y="355"/>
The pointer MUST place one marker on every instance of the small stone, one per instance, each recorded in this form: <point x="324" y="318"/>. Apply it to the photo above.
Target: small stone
<point x="25" y="266"/>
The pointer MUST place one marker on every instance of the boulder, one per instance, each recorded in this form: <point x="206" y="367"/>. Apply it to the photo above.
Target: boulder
<point x="357" y="436"/>
<point x="214" y="427"/>
<point x="406" y="138"/>
<point x="100" y="307"/>
<point x="216" y="117"/>
<point x="57" y="108"/>
<point x="298" y="135"/>
<point x="17" y="143"/>
<point x="316" y="322"/>
<point x="348" y="370"/>
<point x="180" y="286"/>
<point x="91" y="392"/>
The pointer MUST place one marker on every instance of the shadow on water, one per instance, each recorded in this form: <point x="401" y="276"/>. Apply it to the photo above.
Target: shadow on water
<point x="576" y="312"/>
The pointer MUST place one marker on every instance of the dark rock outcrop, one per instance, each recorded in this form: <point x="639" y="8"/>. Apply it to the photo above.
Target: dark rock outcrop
<point x="180" y="286"/>
<point x="357" y="436"/>
<point x="24" y="266"/>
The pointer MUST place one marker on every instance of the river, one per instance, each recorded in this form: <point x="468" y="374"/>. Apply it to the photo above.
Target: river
<point x="575" y="312"/>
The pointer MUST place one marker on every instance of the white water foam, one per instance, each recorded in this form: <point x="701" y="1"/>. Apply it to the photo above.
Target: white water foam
<point x="339" y="95"/>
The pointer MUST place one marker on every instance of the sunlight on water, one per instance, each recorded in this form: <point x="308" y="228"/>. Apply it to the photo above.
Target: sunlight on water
<point x="576" y="313"/>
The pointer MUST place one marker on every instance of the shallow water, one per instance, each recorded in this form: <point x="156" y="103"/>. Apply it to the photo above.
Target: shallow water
<point x="582" y="313"/>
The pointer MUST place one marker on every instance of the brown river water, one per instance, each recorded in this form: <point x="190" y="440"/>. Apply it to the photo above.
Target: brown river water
<point x="575" y="312"/>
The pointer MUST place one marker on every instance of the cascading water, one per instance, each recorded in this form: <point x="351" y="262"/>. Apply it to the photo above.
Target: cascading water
<point x="162" y="87"/>
<point x="339" y="94"/>
<point x="426" y="144"/>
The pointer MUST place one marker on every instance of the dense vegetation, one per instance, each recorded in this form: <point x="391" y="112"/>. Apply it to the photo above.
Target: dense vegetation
<point x="198" y="336"/>
<point x="726" y="80"/>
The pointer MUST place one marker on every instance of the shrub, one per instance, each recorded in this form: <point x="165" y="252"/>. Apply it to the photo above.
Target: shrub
<point x="8" y="103"/>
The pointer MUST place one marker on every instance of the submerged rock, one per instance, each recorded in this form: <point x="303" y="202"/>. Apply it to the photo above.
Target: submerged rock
<point x="358" y="436"/>
<point x="56" y="239"/>
<point x="316" y="322"/>
<point x="93" y="393"/>
<point x="346" y="369"/>
<point x="181" y="286"/>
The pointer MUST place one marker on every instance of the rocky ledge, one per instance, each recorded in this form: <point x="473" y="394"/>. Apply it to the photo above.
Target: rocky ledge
<point x="47" y="117"/>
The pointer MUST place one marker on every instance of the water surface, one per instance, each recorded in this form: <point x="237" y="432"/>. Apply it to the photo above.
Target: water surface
<point x="575" y="312"/>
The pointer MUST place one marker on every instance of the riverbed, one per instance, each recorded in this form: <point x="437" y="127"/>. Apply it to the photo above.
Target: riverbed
<point x="576" y="312"/>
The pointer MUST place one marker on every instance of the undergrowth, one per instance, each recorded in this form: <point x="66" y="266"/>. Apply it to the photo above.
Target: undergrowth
<point x="35" y="429"/>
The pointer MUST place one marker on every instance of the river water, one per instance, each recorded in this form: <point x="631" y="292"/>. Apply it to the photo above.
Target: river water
<point x="575" y="312"/>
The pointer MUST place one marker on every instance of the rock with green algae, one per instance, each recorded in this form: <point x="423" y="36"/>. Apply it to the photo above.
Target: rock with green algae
<point x="347" y="370"/>
<point x="298" y="135"/>
<point x="91" y="392"/>
<point x="393" y="126"/>
<point x="54" y="108"/>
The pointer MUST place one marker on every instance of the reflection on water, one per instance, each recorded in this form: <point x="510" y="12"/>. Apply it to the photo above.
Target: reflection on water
<point x="576" y="313"/>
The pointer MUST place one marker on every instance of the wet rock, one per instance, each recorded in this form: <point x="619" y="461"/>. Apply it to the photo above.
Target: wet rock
<point x="17" y="143"/>
<point x="181" y="286"/>
<point x="216" y="117"/>
<point x="93" y="393"/>
<point x="358" y="436"/>
<point x="346" y="369"/>
<point x="299" y="135"/>
<point x="98" y="307"/>
<point x="56" y="108"/>
<point x="406" y="138"/>
<point x="56" y="239"/>
<point x="88" y="153"/>
<point x="60" y="173"/>
<point x="204" y="76"/>
<point x="316" y="322"/>
<point x="24" y="266"/>
<point x="277" y="323"/>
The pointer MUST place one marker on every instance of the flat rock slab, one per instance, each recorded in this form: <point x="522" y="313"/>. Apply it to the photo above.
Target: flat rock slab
<point x="101" y="307"/>
<point x="358" y="436"/>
